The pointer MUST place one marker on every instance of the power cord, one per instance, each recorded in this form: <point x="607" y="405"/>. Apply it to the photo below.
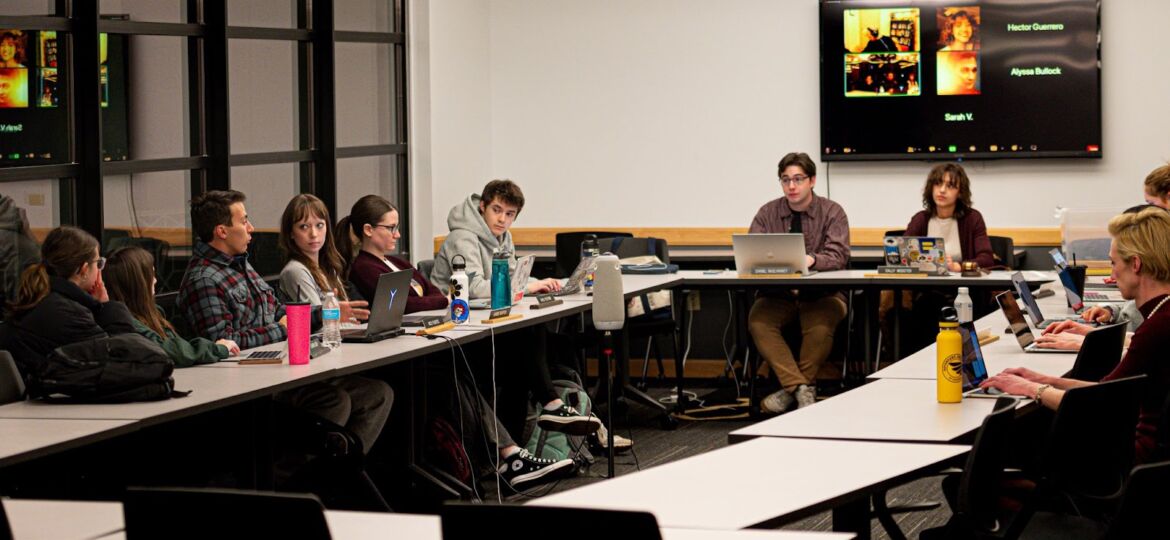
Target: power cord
<point x="495" y="431"/>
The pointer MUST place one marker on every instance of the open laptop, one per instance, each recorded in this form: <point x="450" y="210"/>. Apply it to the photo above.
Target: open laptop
<point x="519" y="283"/>
<point x="1019" y="326"/>
<point x="1038" y="320"/>
<point x="385" y="310"/>
<point x="928" y="254"/>
<point x="974" y="370"/>
<point x="576" y="280"/>
<point x="764" y="254"/>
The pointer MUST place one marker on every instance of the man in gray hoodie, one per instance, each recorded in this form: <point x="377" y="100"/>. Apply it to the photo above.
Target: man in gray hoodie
<point x="480" y="227"/>
<point x="18" y="248"/>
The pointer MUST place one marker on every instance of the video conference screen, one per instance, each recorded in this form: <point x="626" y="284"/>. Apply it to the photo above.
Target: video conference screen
<point x="34" y="117"/>
<point x="934" y="79"/>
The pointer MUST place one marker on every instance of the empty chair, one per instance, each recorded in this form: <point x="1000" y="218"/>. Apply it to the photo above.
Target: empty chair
<point x="465" y="521"/>
<point x="568" y="245"/>
<point x="1004" y="249"/>
<point x="190" y="513"/>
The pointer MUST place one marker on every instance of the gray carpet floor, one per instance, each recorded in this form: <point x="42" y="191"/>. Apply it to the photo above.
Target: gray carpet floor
<point x="654" y="446"/>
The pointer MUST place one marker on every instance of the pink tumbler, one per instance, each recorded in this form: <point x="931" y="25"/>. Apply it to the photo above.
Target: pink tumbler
<point x="299" y="320"/>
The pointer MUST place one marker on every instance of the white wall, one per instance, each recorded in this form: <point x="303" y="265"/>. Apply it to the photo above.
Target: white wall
<point x="689" y="104"/>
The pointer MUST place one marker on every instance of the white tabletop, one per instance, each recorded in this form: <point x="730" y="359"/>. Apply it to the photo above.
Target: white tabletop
<point x="24" y="438"/>
<point x="62" y="520"/>
<point x="883" y="410"/>
<point x="757" y="482"/>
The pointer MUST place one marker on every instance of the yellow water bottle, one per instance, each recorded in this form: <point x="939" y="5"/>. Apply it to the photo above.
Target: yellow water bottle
<point x="949" y="347"/>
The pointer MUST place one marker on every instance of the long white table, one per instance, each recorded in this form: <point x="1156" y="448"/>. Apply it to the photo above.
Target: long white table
<point x="763" y="482"/>
<point x="22" y="439"/>
<point x="883" y="410"/>
<point x="42" y="519"/>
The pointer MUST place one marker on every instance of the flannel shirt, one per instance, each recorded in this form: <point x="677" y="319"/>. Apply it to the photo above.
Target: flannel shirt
<point x="224" y="298"/>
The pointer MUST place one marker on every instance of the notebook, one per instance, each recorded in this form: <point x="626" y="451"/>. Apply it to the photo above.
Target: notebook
<point x="1018" y="326"/>
<point x="928" y="254"/>
<point x="385" y="310"/>
<point x="771" y="253"/>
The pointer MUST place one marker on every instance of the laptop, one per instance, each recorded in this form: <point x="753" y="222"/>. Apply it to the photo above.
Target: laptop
<point x="576" y="280"/>
<point x="974" y="370"/>
<point x="519" y="283"/>
<point x="764" y="254"/>
<point x="1034" y="313"/>
<point x="385" y="311"/>
<point x="1018" y="326"/>
<point x="928" y="254"/>
<point x="468" y="521"/>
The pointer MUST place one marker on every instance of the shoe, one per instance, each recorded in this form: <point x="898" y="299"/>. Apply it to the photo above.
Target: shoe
<point x="566" y="419"/>
<point x="805" y="395"/>
<point x="777" y="402"/>
<point x="620" y="444"/>
<point x="523" y="470"/>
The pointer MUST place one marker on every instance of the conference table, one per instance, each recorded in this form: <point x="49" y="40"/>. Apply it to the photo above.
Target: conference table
<point x="32" y="519"/>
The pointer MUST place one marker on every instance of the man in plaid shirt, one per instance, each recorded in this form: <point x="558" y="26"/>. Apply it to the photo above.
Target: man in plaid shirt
<point x="224" y="298"/>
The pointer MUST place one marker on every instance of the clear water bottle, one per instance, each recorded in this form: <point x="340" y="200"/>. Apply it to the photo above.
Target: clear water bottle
<point x="590" y="248"/>
<point x="331" y="319"/>
<point x="964" y="307"/>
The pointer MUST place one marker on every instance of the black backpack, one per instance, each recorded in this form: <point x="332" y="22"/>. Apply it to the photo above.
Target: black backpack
<point x="115" y="369"/>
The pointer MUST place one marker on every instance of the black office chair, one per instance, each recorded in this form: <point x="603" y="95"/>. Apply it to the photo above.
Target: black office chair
<point x="11" y="383"/>
<point x="1005" y="251"/>
<point x="568" y="246"/>
<point x="265" y="254"/>
<point x="1139" y="515"/>
<point x="467" y="521"/>
<point x="977" y="513"/>
<point x="426" y="267"/>
<point x="1100" y="353"/>
<point x="192" y="513"/>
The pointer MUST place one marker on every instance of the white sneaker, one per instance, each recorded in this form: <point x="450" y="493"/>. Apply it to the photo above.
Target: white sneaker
<point x="777" y="402"/>
<point x="805" y="395"/>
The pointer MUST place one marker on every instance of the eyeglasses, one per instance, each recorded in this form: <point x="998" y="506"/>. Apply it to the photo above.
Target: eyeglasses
<point x="101" y="263"/>
<point x="389" y="228"/>
<point x="793" y="180"/>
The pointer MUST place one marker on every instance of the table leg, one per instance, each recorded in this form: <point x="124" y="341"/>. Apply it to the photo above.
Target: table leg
<point x="853" y="517"/>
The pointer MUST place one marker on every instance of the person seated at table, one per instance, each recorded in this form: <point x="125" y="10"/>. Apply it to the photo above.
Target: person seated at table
<point x="129" y="278"/>
<point x="374" y="226"/>
<point x="365" y="256"/>
<point x="1141" y="265"/>
<point x="947" y="213"/>
<point x="1071" y="333"/>
<point x="61" y="300"/>
<point x="826" y="243"/>
<point x="480" y="226"/>
<point x="224" y="298"/>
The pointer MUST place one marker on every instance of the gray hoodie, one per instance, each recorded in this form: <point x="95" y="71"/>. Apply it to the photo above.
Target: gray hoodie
<point x="471" y="238"/>
<point x="18" y="249"/>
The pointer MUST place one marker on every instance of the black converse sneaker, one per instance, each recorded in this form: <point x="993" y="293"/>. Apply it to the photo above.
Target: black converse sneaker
<point x="523" y="470"/>
<point x="567" y="420"/>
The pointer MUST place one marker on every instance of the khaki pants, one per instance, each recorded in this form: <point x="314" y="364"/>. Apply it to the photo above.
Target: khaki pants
<point x="818" y="321"/>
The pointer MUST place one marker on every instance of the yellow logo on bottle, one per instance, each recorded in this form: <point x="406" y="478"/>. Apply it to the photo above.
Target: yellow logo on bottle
<point x="950" y="368"/>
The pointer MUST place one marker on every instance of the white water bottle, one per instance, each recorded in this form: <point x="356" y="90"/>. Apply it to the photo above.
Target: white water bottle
<point x="964" y="307"/>
<point x="331" y="319"/>
<point x="460" y="310"/>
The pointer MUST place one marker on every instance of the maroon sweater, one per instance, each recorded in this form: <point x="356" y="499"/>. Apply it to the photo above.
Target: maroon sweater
<point x="366" y="269"/>
<point x="973" y="238"/>
<point x="1147" y="355"/>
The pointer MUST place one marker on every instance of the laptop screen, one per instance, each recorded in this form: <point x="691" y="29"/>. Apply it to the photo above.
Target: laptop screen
<point x="974" y="370"/>
<point x="1025" y="293"/>
<point x="1058" y="258"/>
<point x="1070" y="290"/>
<point x="1011" y="310"/>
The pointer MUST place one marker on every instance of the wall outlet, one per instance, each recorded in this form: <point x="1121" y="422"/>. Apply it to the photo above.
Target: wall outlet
<point x="36" y="199"/>
<point x="693" y="301"/>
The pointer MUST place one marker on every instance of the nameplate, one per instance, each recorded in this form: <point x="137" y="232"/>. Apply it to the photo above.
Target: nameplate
<point x="546" y="301"/>
<point x="915" y="275"/>
<point x="431" y="322"/>
<point x="501" y="319"/>
<point x="772" y="270"/>
<point x="898" y="270"/>
<point x="502" y="312"/>
<point x="431" y="330"/>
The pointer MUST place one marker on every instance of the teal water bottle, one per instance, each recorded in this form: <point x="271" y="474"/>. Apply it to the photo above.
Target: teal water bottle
<point x="501" y="280"/>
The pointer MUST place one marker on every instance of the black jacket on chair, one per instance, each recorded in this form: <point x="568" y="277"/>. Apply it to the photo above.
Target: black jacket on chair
<point x="67" y="315"/>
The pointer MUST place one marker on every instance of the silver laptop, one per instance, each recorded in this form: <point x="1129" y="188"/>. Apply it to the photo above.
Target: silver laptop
<point x="1019" y="326"/>
<point x="519" y="283"/>
<point x="1038" y="320"/>
<point x="385" y="310"/>
<point x="765" y="254"/>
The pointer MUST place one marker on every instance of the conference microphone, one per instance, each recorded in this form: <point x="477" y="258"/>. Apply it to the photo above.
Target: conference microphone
<point x="609" y="306"/>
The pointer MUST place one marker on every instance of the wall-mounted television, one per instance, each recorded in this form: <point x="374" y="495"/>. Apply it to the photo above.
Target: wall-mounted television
<point x="931" y="79"/>
<point x="34" y="115"/>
